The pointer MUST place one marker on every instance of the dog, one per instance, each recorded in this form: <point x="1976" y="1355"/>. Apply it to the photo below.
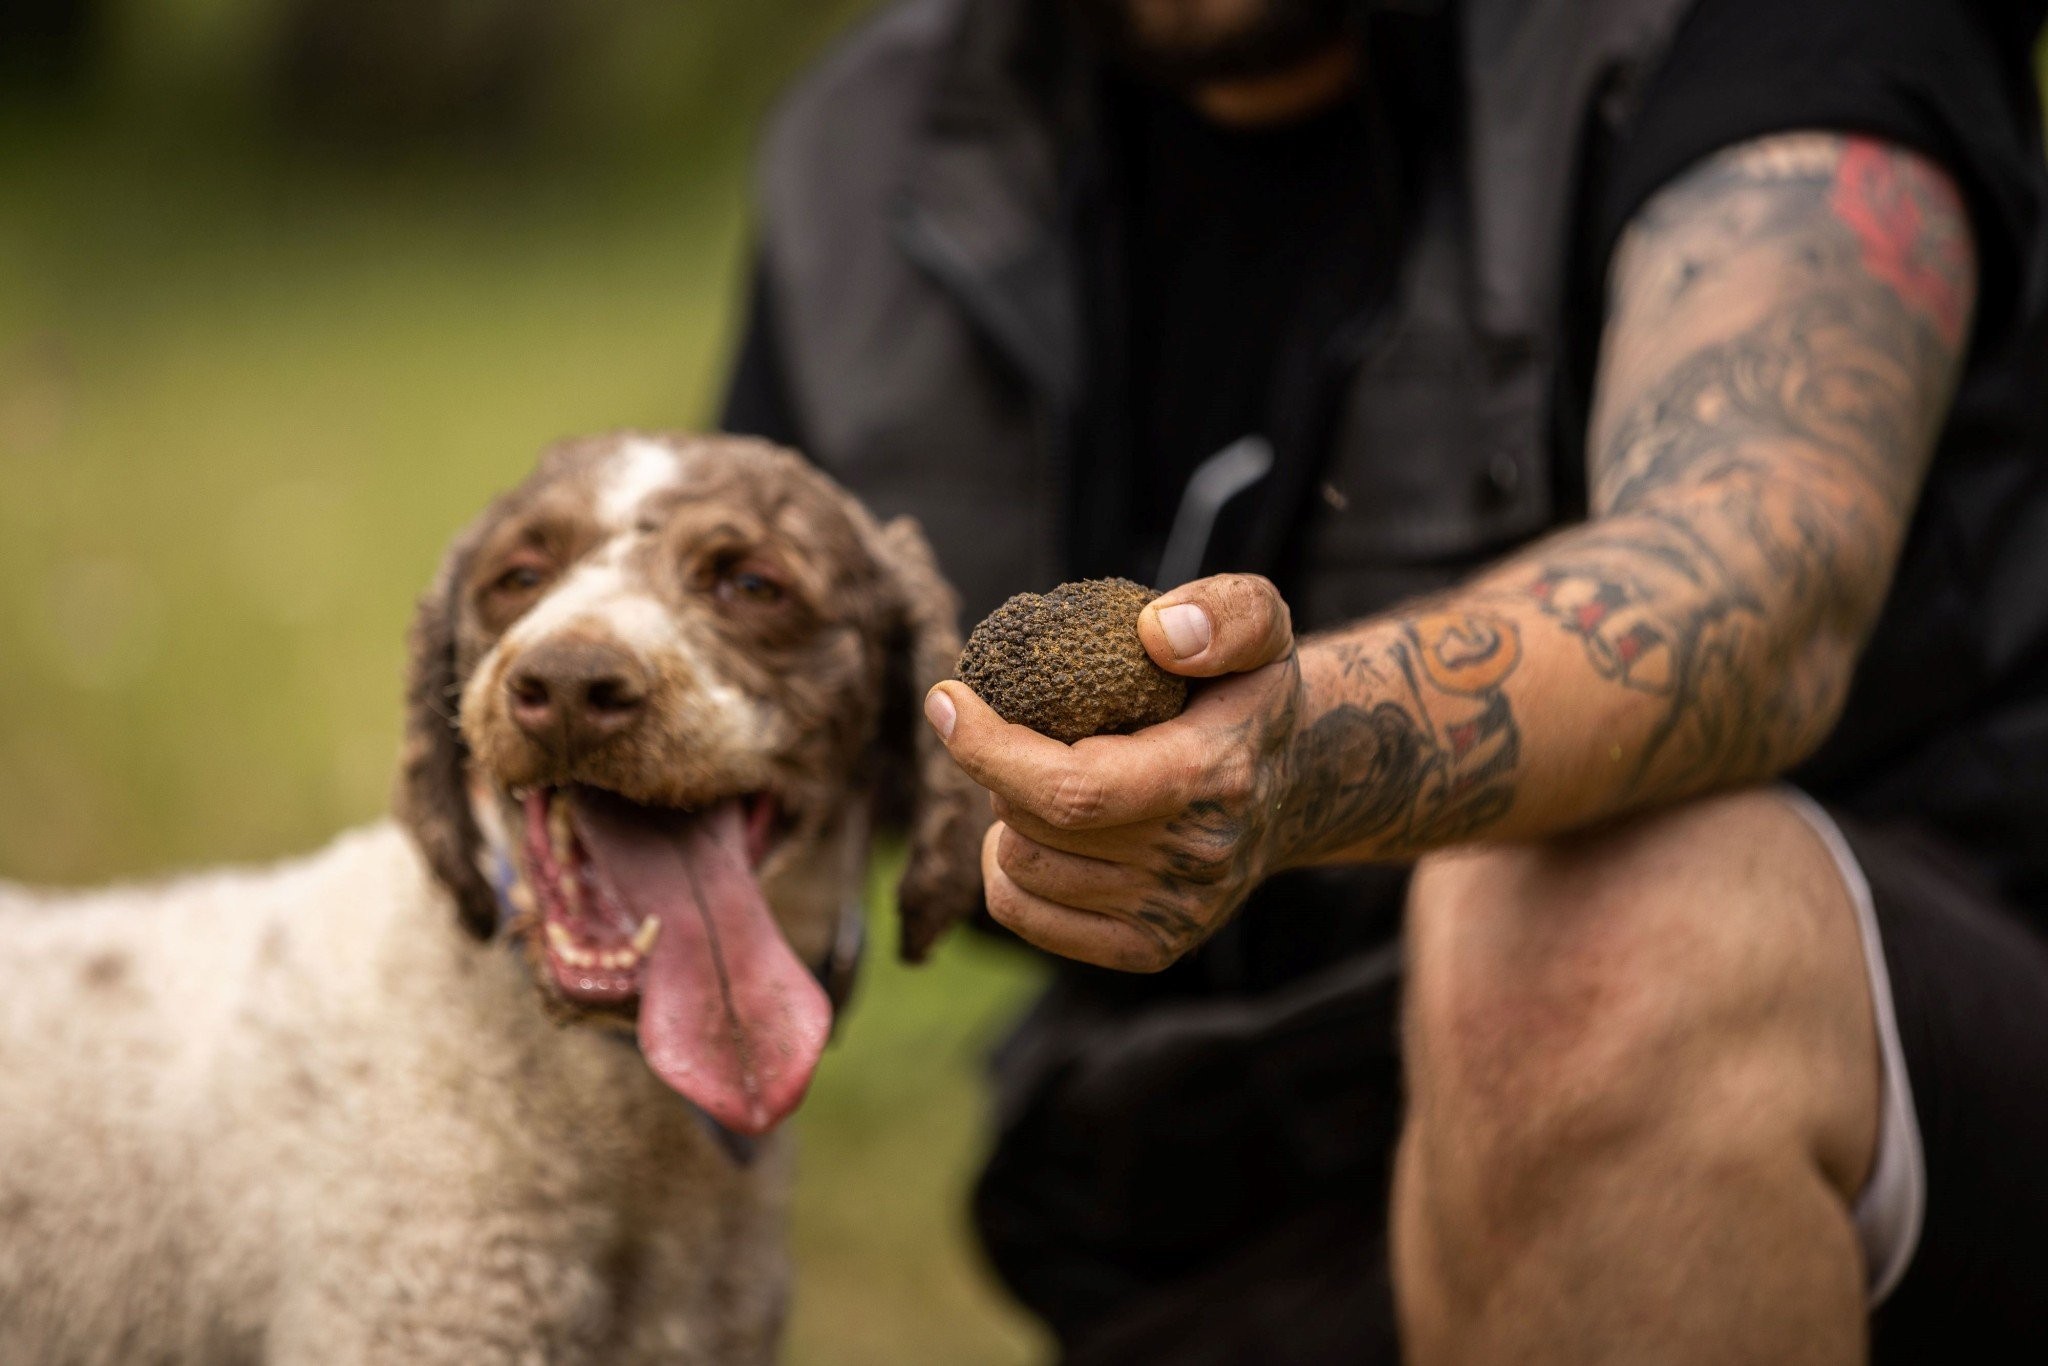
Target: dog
<point x="500" y="1079"/>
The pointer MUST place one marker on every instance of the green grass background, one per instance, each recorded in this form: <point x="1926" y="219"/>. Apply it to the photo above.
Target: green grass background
<point x="250" y="387"/>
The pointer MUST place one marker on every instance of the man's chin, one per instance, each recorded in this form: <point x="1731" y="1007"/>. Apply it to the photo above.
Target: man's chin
<point x="1183" y="53"/>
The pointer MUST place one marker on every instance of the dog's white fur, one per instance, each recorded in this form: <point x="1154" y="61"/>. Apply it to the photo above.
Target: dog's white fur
<point x="296" y="1115"/>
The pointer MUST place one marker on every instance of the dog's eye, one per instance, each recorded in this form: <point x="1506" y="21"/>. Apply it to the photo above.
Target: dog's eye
<point x="750" y="585"/>
<point x="520" y="578"/>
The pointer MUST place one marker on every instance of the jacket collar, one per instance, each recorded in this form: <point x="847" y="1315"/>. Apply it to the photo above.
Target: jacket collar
<point x="982" y="205"/>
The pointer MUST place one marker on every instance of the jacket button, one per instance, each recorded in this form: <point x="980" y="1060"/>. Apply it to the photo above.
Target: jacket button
<point x="1503" y="476"/>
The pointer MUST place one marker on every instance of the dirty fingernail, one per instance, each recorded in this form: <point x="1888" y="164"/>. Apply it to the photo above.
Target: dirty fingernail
<point x="938" y="709"/>
<point x="1187" y="629"/>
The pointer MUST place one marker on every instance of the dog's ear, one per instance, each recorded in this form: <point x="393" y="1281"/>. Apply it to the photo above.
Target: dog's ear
<point x="945" y="811"/>
<point x="433" y="776"/>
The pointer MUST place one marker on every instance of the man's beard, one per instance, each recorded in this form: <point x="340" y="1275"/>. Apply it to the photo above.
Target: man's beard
<point x="1181" y="44"/>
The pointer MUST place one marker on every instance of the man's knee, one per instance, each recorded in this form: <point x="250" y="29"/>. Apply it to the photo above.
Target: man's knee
<point x="1689" y="976"/>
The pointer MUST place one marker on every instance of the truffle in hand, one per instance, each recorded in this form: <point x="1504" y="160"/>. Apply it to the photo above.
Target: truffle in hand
<point x="1069" y="663"/>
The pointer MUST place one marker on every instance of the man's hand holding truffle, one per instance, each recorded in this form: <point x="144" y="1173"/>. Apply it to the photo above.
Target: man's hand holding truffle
<point x="1128" y="850"/>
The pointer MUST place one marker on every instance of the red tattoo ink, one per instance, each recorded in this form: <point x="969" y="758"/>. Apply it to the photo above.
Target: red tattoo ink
<point x="1463" y="735"/>
<point x="1888" y="213"/>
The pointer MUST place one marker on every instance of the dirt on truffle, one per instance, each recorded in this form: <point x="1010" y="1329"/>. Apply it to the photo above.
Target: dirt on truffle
<point x="1069" y="664"/>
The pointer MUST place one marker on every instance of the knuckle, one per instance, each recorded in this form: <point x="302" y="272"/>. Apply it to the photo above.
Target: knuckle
<point x="1251" y="596"/>
<point x="1131" y="953"/>
<point x="1025" y="866"/>
<point x="1233" y="782"/>
<point x="1250" y="613"/>
<point x="1032" y="878"/>
<point x="1231" y="599"/>
<point x="1152" y="955"/>
<point x="1191" y="770"/>
<point x="1076" y="802"/>
<point x="1005" y="907"/>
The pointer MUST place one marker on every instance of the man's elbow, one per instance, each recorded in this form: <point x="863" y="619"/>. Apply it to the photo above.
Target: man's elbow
<point x="1818" y="670"/>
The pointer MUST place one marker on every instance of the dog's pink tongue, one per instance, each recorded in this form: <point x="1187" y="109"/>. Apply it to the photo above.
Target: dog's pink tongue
<point x="728" y="1016"/>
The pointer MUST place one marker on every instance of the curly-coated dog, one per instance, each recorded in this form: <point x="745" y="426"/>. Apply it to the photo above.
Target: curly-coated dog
<point x="498" y="1081"/>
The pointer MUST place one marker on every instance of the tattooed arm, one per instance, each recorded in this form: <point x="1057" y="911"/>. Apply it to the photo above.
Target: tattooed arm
<point x="1787" y="324"/>
<point x="1788" y="321"/>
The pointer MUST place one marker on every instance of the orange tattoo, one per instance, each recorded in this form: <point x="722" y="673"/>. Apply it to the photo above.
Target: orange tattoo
<point x="1466" y="653"/>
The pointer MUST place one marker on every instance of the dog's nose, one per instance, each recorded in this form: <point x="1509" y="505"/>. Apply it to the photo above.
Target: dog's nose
<point x="569" y="694"/>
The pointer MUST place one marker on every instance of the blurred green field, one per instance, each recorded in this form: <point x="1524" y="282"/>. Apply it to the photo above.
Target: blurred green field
<point x="247" y="392"/>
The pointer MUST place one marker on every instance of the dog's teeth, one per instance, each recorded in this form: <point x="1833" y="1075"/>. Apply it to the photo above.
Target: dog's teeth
<point x="567" y="949"/>
<point x="643" y="938"/>
<point x="558" y="828"/>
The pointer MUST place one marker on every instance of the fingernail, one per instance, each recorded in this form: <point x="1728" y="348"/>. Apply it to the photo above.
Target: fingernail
<point x="1186" y="627"/>
<point x="938" y="709"/>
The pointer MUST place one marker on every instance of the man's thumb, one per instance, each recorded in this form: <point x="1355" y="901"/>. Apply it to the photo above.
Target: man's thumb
<point x="1228" y="624"/>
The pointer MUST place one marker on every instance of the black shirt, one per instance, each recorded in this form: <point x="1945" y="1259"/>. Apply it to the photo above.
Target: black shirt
<point x="1285" y="221"/>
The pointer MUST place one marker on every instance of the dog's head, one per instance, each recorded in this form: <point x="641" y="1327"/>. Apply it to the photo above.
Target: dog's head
<point x="654" y="694"/>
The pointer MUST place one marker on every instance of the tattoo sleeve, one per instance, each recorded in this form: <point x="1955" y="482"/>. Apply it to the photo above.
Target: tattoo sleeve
<point x="1786" y="325"/>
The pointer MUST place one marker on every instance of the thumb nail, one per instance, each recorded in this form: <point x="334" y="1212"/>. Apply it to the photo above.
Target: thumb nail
<point x="939" y="710"/>
<point x="1186" y="627"/>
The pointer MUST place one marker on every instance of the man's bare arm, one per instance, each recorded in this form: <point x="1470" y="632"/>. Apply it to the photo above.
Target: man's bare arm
<point x="1787" y="325"/>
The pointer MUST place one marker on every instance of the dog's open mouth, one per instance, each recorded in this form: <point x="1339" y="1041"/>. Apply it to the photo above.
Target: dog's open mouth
<point x="664" y="906"/>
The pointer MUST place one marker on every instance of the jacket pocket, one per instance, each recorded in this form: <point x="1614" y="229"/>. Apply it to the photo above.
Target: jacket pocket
<point x="1440" y="460"/>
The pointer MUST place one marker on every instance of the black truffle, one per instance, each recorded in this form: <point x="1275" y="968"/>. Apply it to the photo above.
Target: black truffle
<point x="1069" y="664"/>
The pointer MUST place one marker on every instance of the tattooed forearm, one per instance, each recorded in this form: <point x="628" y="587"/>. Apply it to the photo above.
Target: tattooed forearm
<point x="1429" y="753"/>
<point x="1788" y="321"/>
